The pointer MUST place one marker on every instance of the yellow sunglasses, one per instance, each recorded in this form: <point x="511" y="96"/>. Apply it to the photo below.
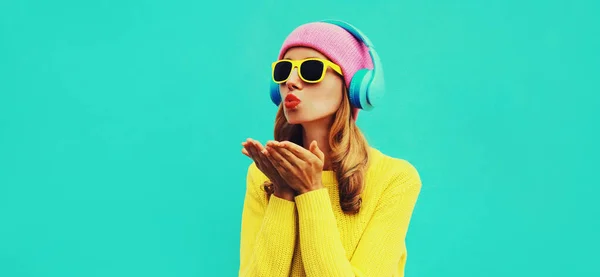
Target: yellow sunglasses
<point x="311" y="70"/>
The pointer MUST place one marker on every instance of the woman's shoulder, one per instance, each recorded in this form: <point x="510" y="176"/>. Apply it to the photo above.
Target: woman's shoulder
<point x="390" y="169"/>
<point x="387" y="162"/>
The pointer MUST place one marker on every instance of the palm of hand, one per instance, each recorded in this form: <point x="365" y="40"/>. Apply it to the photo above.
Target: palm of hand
<point x="300" y="168"/>
<point x="254" y="150"/>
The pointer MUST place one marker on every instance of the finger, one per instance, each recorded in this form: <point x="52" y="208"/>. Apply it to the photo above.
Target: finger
<point x="261" y="152"/>
<point x="314" y="148"/>
<point x="296" y="153"/>
<point x="296" y="149"/>
<point x="247" y="144"/>
<point x="261" y="159"/>
<point x="289" y="155"/>
<point x="259" y="146"/>
<point x="267" y="162"/>
<point x="296" y="161"/>
<point x="247" y="149"/>
<point x="254" y="155"/>
<point x="245" y="152"/>
<point x="280" y="163"/>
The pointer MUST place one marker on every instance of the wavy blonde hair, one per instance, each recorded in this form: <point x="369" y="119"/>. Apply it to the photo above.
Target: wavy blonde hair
<point x="349" y="153"/>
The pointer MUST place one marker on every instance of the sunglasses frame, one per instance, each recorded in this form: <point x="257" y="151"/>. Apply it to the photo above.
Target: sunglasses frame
<point x="298" y="63"/>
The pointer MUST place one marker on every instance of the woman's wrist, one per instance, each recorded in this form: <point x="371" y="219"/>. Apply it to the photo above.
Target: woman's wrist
<point x="316" y="186"/>
<point x="284" y="192"/>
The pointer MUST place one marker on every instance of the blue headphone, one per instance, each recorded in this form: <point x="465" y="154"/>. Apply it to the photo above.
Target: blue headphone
<point x="367" y="86"/>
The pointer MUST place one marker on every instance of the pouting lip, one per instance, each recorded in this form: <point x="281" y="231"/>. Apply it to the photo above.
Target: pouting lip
<point x="291" y="97"/>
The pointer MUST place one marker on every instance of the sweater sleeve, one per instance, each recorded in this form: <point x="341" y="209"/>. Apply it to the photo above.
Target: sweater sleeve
<point x="268" y="232"/>
<point x="382" y="244"/>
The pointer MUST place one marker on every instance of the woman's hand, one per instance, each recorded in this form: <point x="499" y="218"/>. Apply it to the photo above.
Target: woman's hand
<point x="300" y="168"/>
<point x="254" y="150"/>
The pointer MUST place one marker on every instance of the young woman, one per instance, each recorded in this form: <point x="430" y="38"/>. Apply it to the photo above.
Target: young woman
<point x="319" y="200"/>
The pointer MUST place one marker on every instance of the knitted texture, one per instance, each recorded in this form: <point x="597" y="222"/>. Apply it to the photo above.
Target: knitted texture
<point x="337" y="44"/>
<point x="312" y="236"/>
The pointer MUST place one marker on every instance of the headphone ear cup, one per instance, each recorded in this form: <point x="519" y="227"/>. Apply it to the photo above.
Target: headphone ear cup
<point x="357" y="92"/>
<point x="376" y="90"/>
<point x="275" y="94"/>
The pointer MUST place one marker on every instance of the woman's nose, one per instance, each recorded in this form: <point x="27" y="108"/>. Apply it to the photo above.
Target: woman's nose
<point x="294" y="81"/>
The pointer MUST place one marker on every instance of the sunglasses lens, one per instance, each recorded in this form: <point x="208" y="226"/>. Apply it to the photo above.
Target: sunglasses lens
<point x="282" y="71"/>
<point x="312" y="70"/>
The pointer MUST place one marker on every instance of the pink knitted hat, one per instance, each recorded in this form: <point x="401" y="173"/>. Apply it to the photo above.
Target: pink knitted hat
<point x="337" y="44"/>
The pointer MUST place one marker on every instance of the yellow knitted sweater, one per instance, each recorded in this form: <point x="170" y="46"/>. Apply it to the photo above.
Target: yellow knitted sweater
<point x="312" y="236"/>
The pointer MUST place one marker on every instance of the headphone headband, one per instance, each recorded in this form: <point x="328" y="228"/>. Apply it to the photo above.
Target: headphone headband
<point x="351" y="29"/>
<point x="375" y="84"/>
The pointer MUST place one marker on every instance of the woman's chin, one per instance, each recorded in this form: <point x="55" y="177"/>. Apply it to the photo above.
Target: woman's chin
<point x="294" y="117"/>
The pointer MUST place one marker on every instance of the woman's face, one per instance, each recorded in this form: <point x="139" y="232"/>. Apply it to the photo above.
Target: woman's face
<point x="317" y="101"/>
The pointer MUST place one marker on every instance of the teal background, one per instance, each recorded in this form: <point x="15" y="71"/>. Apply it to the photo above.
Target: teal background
<point x="121" y="123"/>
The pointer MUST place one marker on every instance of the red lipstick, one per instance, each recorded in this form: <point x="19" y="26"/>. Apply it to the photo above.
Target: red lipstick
<point x="291" y="101"/>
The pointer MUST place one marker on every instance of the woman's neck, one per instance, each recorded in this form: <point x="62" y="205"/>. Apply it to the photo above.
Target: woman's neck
<point x="320" y="132"/>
